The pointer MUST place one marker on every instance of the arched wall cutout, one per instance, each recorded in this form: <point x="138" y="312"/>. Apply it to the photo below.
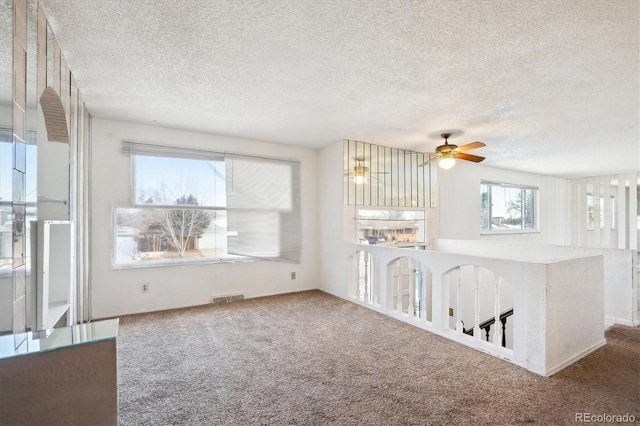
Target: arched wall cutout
<point x="54" y="116"/>
<point x="422" y="261"/>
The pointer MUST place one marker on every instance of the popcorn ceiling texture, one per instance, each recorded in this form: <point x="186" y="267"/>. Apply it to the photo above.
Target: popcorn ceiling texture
<point x="552" y="86"/>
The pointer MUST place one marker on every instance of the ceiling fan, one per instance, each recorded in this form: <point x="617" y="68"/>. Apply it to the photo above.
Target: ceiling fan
<point x="360" y="171"/>
<point x="446" y="154"/>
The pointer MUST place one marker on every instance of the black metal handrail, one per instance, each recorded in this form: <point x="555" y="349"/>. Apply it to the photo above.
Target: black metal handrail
<point x="486" y="326"/>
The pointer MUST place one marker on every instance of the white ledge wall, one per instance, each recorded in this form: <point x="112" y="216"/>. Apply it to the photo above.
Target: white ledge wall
<point x="554" y="324"/>
<point x="620" y="291"/>
<point x="117" y="292"/>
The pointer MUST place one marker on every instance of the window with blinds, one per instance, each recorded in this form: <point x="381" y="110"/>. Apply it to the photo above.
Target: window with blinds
<point x="263" y="208"/>
<point x="193" y="205"/>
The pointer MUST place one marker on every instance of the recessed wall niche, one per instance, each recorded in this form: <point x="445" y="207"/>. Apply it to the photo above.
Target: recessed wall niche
<point x="376" y="175"/>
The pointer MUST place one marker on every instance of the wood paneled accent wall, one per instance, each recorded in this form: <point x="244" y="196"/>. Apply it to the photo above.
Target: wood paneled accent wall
<point x="605" y="212"/>
<point x="70" y="124"/>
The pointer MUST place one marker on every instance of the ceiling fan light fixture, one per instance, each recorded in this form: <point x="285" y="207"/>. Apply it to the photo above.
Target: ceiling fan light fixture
<point x="360" y="173"/>
<point x="446" y="163"/>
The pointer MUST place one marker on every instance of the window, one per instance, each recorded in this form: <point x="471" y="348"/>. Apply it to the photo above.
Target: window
<point x="191" y="205"/>
<point x="590" y="212"/>
<point x="391" y="227"/>
<point x="507" y="208"/>
<point x="16" y="214"/>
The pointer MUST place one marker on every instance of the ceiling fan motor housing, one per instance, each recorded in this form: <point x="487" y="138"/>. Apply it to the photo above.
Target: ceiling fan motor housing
<point x="442" y="149"/>
<point x="360" y="170"/>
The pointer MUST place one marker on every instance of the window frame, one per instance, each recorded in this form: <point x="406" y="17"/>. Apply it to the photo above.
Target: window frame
<point x="134" y="204"/>
<point x="422" y="229"/>
<point x="536" y="208"/>
<point x="134" y="149"/>
<point x="590" y="212"/>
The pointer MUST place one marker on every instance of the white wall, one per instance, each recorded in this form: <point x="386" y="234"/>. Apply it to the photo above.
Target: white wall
<point x="460" y="204"/>
<point x="333" y="267"/>
<point x="117" y="292"/>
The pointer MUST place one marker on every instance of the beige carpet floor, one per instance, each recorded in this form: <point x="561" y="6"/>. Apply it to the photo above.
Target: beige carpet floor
<point x="313" y="359"/>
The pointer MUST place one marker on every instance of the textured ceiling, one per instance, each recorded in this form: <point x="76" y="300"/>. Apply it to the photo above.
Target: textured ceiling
<point x="552" y="87"/>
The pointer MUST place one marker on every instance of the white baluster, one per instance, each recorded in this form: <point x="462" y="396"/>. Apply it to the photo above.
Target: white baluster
<point x="410" y="269"/>
<point x="423" y="293"/>
<point x="374" y="282"/>
<point x="357" y="272"/>
<point x="399" y="284"/>
<point x="476" y="327"/>
<point x="366" y="278"/>
<point x="497" y="331"/>
<point x="459" y="324"/>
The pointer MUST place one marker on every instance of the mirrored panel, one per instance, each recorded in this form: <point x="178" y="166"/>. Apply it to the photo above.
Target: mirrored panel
<point x="6" y="165"/>
<point x="376" y="175"/>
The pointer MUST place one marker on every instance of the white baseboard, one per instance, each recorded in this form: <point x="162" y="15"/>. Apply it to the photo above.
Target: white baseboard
<point x="553" y="370"/>
<point x="609" y="321"/>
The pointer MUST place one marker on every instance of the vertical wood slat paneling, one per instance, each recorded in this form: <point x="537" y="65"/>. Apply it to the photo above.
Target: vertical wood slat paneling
<point x="19" y="95"/>
<point x="575" y="188"/>
<point x="606" y="196"/>
<point x="346" y="167"/>
<point x="25" y="49"/>
<point x="20" y="23"/>
<point x="615" y="204"/>
<point x="622" y="222"/>
<point x="56" y="68"/>
<point x="19" y="76"/>
<point x="596" y="211"/>
<point x="581" y="212"/>
<point x="42" y="52"/>
<point x="633" y="211"/>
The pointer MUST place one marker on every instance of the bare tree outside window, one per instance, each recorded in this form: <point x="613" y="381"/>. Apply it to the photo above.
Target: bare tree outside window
<point x="181" y="228"/>
<point x="172" y="228"/>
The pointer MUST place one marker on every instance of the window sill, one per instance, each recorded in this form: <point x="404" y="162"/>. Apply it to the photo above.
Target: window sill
<point x="510" y="232"/>
<point x="178" y="263"/>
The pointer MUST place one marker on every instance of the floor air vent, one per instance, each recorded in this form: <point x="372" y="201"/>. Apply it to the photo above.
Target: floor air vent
<point x="218" y="300"/>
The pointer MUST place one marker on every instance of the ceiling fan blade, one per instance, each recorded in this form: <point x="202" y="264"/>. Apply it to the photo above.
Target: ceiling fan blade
<point x="429" y="161"/>
<point x="378" y="173"/>
<point x="348" y="173"/>
<point x="469" y="157"/>
<point x="470" y="146"/>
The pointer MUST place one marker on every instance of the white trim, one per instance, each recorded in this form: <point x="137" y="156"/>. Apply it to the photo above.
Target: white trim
<point x="560" y="366"/>
<point x="610" y="321"/>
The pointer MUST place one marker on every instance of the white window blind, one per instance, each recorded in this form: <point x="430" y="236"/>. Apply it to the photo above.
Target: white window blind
<point x="153" y="150"/>
<point x="263" y="208"/>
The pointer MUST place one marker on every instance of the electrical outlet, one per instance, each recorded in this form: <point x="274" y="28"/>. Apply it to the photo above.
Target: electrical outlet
<point x="144" y="288"/>
<point x="293" y="275"/>
<point x="450" y="312"/>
